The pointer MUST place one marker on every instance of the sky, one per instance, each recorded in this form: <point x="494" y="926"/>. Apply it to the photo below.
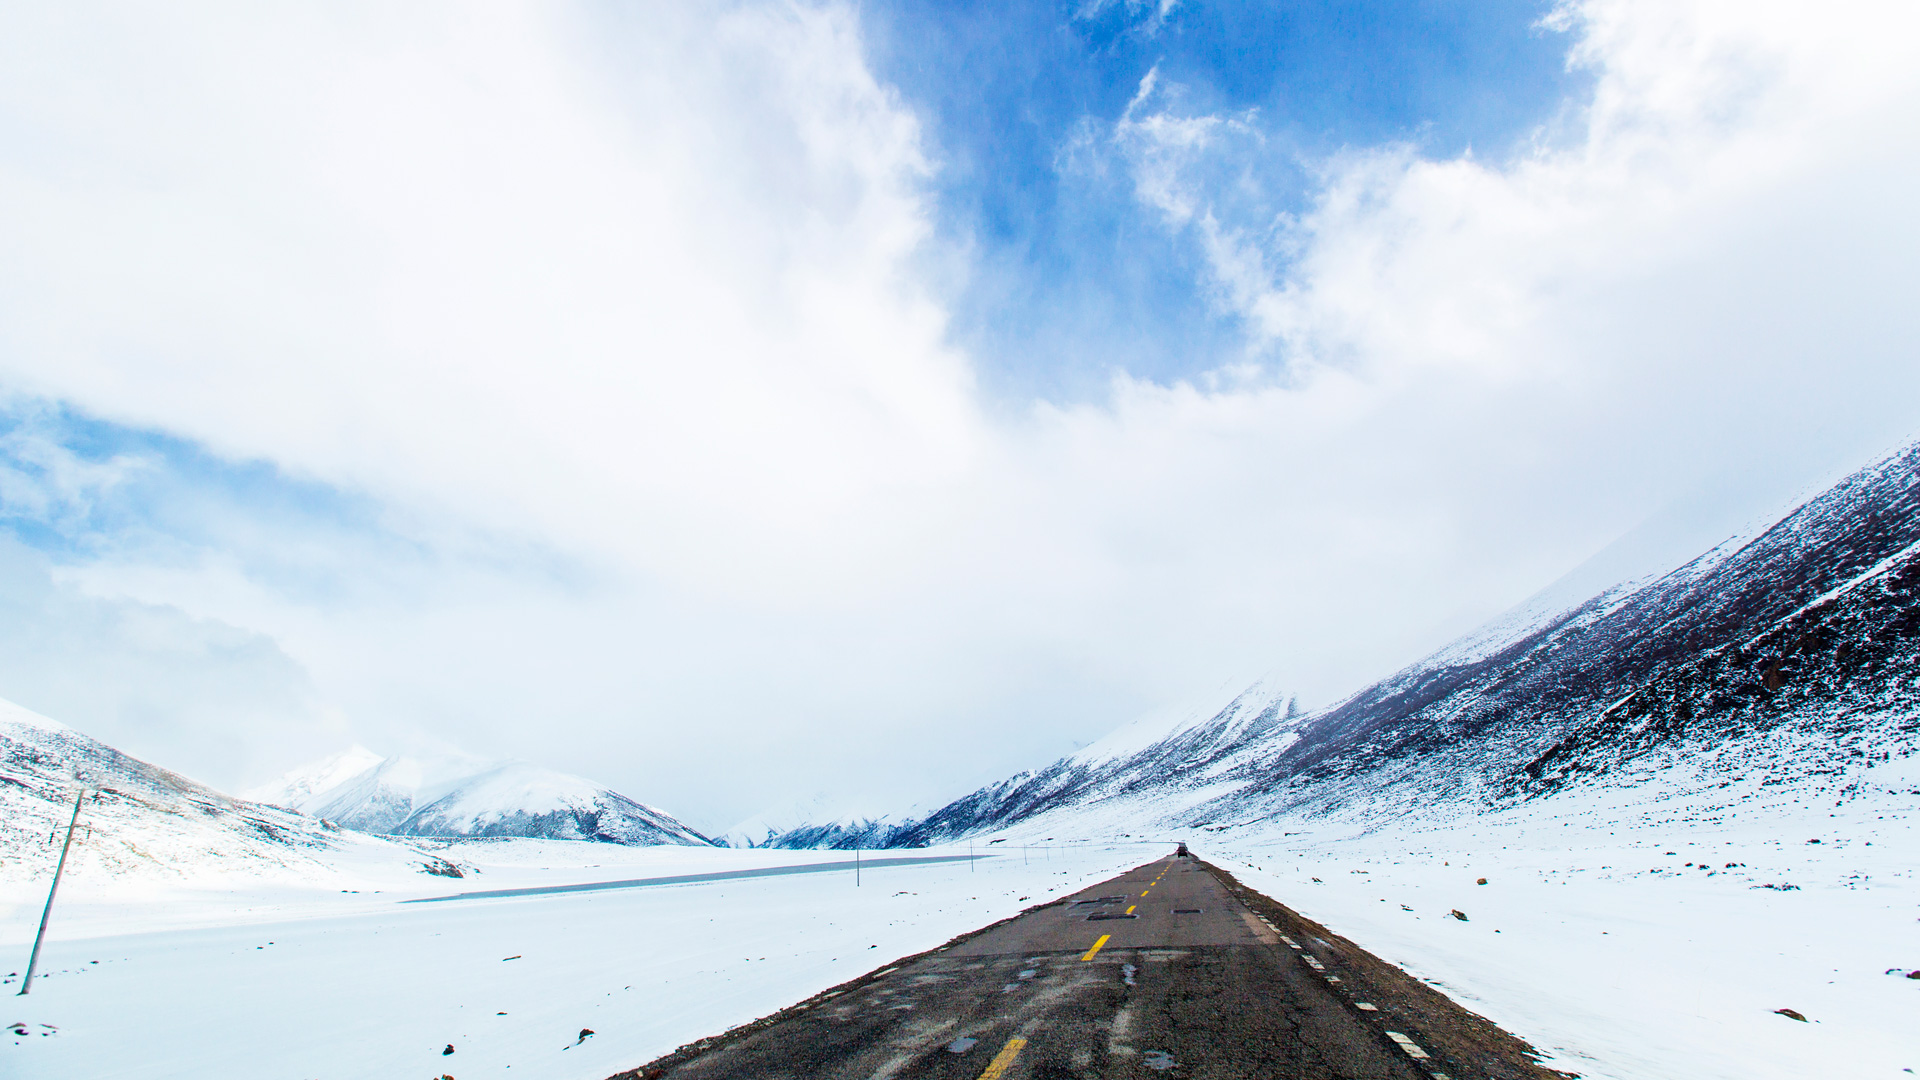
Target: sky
<point x="737" y="403"/>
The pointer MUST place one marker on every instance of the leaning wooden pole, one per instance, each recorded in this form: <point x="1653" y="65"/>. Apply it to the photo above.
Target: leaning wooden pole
<point x="33" y="961"/>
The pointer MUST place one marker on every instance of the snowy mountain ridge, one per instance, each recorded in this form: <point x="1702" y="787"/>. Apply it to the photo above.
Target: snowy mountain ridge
<point x="1788" y="655"/>
<point x="143" y="822"/>
<point x="822" y="820"/>
<point x="453" y="794"/>
<point x="140" y="820"/>
<point x="298" y="788"/>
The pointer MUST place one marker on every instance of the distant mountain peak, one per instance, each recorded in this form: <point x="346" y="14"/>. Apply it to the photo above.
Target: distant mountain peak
<point x="299" y="787"/>
<point x="452" y="793"/>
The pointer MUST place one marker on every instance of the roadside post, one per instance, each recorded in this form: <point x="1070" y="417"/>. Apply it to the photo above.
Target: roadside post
<point x="33" y="961"/>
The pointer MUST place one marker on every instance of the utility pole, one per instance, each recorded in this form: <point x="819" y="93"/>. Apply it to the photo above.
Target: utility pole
<point x="969" y="855"/>
<point x="856" y="868"/>
<point x="33" y="961"/>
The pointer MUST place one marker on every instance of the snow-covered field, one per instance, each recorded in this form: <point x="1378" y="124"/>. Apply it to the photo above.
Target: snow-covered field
<point x="1622" y="960"/>
<point x="264" y="981"/>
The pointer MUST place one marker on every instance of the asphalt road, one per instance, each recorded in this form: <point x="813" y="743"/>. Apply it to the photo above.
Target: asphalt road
<point x="1160" y="972"/>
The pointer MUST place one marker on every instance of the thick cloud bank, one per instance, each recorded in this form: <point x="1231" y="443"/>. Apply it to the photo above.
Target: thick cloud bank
<point x="619" y="336"/>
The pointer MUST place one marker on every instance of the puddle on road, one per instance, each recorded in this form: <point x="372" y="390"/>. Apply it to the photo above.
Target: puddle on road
<point x="962" y="1044"/>
<point x="1157" y="1059"/>
<point x="1127" y="972"/>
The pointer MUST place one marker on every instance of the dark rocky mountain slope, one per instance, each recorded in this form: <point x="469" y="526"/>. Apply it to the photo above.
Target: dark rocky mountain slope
<point x="1780" y="657"/>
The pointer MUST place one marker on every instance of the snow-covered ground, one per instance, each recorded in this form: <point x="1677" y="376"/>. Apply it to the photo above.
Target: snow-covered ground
<point x="261" y="981"/>
<point x="1622" y="961"/>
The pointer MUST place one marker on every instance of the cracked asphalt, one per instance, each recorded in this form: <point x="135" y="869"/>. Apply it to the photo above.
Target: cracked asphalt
<point x="1163" y="971"/>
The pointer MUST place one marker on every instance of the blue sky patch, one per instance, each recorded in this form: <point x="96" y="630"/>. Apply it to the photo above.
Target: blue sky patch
<point x="1074" y="278"/>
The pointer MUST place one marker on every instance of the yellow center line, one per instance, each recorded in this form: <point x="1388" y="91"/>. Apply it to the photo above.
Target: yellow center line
<point x="1148" y="889"/>
<point x="1004" y="1059"/>
<point x="1130" y="908"/>
<point x="1089" y="956"/>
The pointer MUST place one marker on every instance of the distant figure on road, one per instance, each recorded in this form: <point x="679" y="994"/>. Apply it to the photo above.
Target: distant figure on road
<point x="1181" y="852"/>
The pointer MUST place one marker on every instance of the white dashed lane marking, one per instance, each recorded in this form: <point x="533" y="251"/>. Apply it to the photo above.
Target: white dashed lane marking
<point x="1412" y="1048"/>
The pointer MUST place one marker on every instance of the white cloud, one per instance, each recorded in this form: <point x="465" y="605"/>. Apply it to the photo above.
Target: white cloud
<point x="1148" y="17"/>
<point x="194" y="694"/>
<point x="44" y="483"/>
<point x="623" y="318"/>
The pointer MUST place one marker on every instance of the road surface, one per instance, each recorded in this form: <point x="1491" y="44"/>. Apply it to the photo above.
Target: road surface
<point x="1169" y="970"/>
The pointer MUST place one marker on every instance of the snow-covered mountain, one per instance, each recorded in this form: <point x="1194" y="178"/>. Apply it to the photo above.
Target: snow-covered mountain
<point x="455" y="794"/>
<point x="821" y="821"/>
<point x="382" y="793"/>
<point x="1789" y="657"/>
<point x="518" y="799"/>
<point x="141" y="820"/>
<point x="296" y="789"/>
